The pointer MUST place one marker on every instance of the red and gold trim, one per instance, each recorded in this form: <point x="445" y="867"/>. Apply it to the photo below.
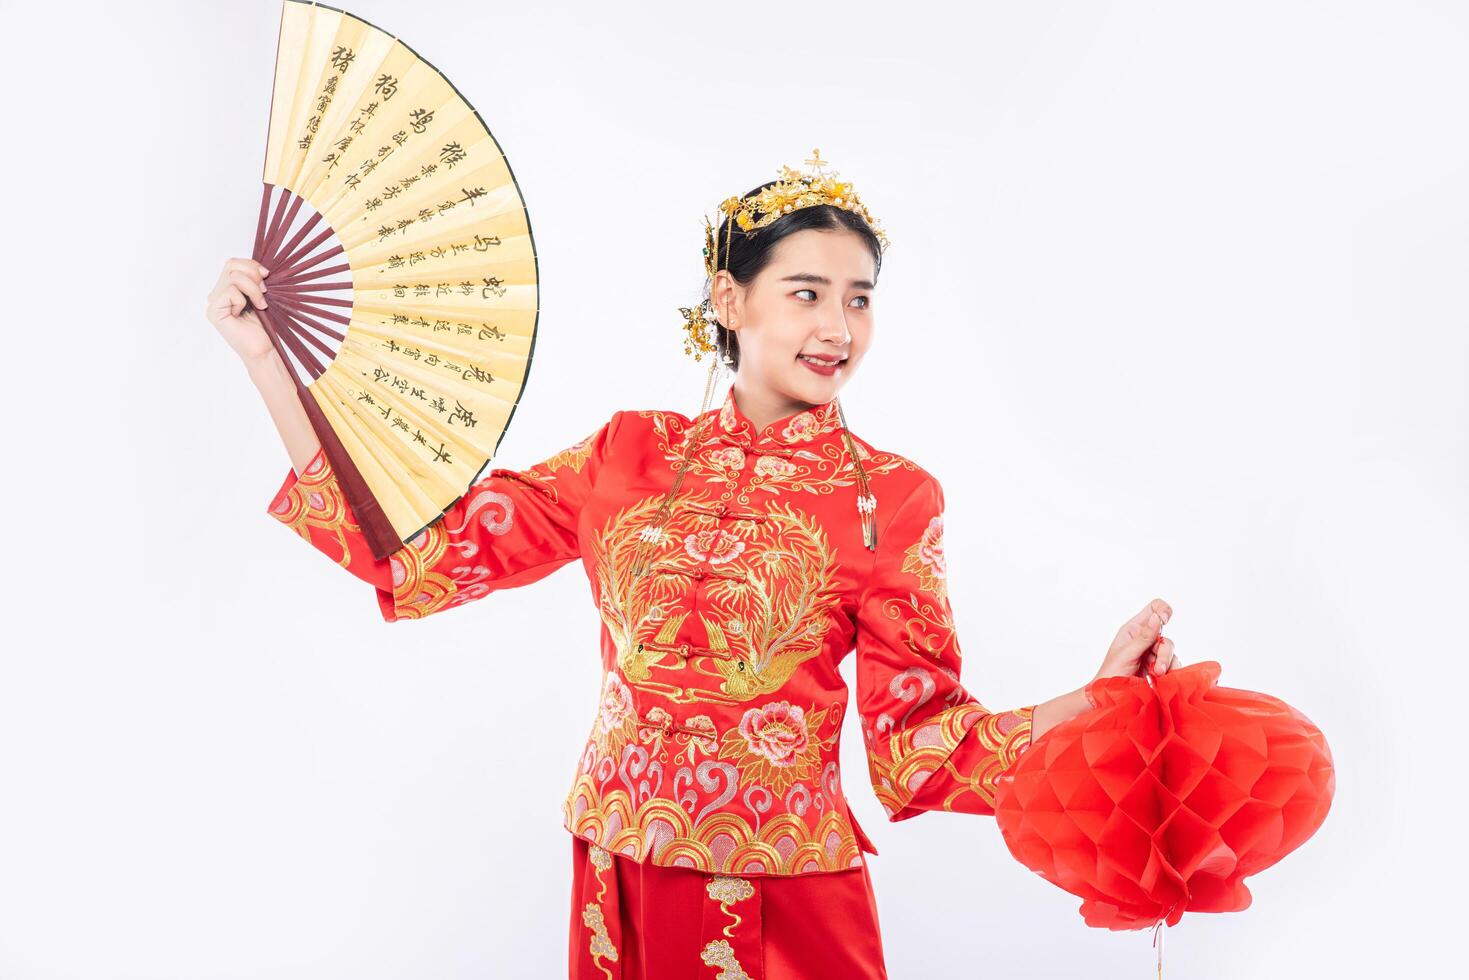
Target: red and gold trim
<point x="968" y="743"/>
<point x="661" y="831"/>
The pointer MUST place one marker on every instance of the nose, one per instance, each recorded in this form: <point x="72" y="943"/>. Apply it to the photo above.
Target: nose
<point x="833" y="329"/>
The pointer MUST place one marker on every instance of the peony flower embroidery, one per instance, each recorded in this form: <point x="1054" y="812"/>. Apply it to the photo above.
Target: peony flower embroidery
<point x="925" y="559"/>
<point x="800" y="428"/>
<point x="774" y="745"/>
<point x="776" y="731"/>
<point x="616" y="707"/>
<point x="714" y="545"/>
<point x="727" y="418"/>
<point x="617" y="720"/>
<point x="728" y="457"/>
<point x="774" y="466"/>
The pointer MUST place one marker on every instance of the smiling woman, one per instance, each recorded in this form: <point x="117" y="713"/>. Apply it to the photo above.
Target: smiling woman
<point x="736" y="558"/>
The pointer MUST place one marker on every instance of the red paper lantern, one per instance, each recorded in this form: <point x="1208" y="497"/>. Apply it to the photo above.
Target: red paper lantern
<point x="1166" y="797"/>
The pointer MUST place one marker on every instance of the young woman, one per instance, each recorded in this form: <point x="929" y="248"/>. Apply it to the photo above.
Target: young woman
<point x="736" y="557"/>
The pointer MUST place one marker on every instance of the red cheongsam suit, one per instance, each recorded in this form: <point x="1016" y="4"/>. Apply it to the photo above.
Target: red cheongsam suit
<point x="711" y="834"/>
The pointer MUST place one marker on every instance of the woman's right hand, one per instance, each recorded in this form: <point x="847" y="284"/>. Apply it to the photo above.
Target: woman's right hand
<point x="239" y="327"/>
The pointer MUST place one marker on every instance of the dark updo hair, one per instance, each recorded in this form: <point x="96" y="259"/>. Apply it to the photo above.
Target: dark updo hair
<point x="749" y="253"/>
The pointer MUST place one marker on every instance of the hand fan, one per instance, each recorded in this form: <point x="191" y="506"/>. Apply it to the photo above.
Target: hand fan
<point x="402" y="292"/>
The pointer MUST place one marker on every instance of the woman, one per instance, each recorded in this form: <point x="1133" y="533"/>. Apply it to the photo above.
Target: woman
<point x="736" y="558"/>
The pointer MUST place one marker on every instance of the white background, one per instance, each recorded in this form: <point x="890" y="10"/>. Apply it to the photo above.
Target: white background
<point x="1174" y="307"/>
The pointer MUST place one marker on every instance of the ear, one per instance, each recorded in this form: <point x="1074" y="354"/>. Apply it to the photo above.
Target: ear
<point x="727" y="298"/>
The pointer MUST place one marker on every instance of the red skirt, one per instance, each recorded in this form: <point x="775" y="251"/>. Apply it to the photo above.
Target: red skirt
<point x="641" y="921"/>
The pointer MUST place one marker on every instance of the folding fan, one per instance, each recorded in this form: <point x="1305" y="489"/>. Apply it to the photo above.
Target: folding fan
<point x="403" y="290"/>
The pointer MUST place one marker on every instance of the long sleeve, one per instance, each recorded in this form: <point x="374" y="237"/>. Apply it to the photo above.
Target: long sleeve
<point x="930" y="744"/>
<point x="510" y="528"/>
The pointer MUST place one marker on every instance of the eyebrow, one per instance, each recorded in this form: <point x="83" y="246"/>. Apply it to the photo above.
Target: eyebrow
<point x="812" y="277"/>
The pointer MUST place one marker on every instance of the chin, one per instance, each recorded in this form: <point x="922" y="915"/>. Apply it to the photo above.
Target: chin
<point x="816" y="389"/>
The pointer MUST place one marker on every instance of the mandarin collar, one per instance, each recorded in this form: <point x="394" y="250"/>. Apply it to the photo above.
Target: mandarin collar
<point x="795" y="429"/>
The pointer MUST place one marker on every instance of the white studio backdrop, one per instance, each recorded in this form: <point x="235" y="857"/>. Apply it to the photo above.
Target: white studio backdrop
<point x="1175" y="307"/>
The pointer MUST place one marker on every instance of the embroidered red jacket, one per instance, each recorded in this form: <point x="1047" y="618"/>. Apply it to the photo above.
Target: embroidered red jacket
<point x="715" y="743"/>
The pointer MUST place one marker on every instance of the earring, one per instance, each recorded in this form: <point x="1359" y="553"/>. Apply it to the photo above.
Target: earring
<point x="724" y="355"/>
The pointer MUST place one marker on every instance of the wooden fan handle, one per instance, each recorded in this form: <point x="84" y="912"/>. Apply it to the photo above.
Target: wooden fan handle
<point x="270" y="229"/>
<point x="382" y="539"/>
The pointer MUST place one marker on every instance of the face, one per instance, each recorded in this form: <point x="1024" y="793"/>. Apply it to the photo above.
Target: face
<point x="814" y="297"/>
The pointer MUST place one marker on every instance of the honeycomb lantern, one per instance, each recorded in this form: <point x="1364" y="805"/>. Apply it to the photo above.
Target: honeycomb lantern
<point x="1166" y="797"/>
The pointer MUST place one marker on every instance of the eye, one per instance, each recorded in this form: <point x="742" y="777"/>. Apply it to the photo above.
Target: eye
<point x="866" y="300"/>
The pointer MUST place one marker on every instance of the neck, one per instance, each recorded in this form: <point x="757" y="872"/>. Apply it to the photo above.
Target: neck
<point x="763" y="406"/>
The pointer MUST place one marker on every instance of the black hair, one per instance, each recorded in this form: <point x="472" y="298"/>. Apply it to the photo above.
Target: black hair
<point x="750" y="252"/>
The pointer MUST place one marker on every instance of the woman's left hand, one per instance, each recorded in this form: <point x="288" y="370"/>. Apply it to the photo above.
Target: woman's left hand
<point x="1139" y="647"/>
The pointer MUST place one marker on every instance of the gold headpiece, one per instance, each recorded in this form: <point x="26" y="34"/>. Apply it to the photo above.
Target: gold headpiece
<point x="795" y="190"/>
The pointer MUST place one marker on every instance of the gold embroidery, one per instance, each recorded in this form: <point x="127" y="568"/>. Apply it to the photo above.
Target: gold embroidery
<point x="926" y="621"/>
<point x="316" y="500"/>
<point x="821" y="466"/>
<point x="800" y="427"/>
<point x="417" y="590"/>
<point x="617" y="719"/>
<point x="660" y="830"/>
<point x="727" y="890"/>
<point x="925" y="559"/>
<point x="777" y="576"/>
<point x="914" y="753"/>
<point x="918" y="752"/>
<point x="600" y="944"/>
<point x="776" y="745"/>
<point x="720" y="954"/>
<point x="927" y="625"/>
<point x="573" y="457"/>
<point x="697" y="734"/>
